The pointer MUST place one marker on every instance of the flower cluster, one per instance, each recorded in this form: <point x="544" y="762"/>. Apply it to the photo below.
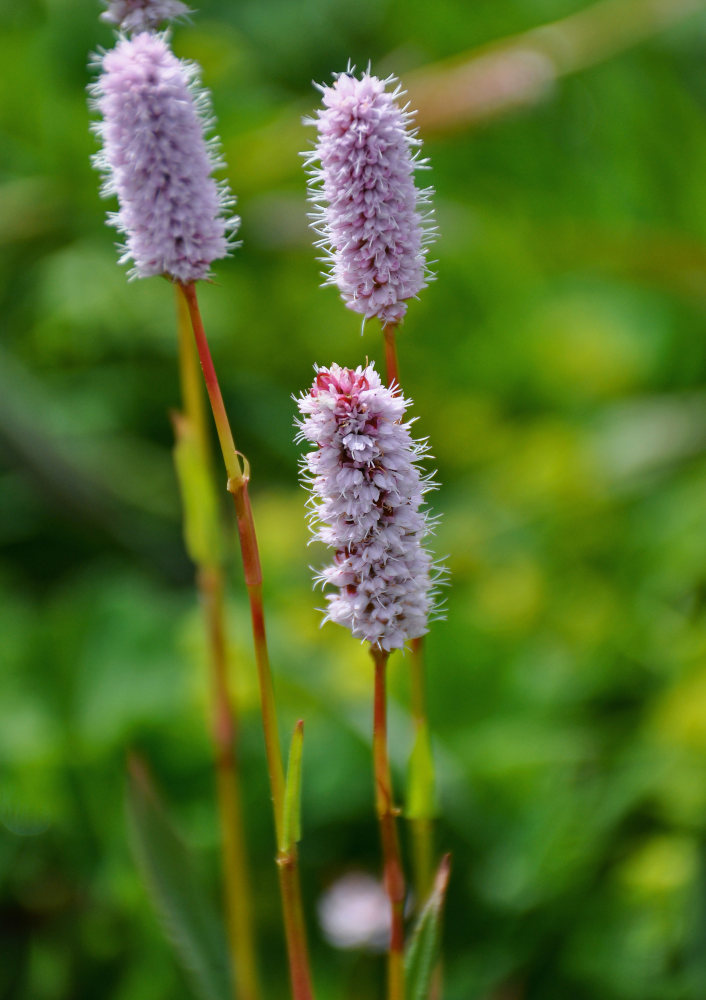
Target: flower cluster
<point x="367" y="205"/>
<point x="142" y="15"/>
<point x="367" y="491"/>
<point x="156" y="159"/>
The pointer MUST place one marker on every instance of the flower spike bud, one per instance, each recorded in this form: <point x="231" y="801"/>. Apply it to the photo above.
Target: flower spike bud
<point x="367" y="493"/>
<point x="156" y="159"/>
<point x="368" y="210"/>
<point x="143" y="15"/>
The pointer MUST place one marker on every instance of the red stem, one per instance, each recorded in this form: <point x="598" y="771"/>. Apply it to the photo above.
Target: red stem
<point x="237" y="890"/>
<point x="225" y="435"/>
<point x="238" y="486"/>
<point x="290" y="889"/>
<point x="393" y="374"/>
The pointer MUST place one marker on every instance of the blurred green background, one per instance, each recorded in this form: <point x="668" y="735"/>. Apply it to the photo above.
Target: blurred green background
<point x="557" y="365"/>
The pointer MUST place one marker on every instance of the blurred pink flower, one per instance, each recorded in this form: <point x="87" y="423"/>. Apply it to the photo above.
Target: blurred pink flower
<point x="354" y="912"/>
<point x="142" y="15"/>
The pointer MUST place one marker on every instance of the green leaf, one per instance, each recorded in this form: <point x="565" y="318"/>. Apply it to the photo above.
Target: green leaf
<point x="291" y="820"/>
<point x="421" y="798"/>
<point x="190" y="921"/>
<point x="423" y="948"/>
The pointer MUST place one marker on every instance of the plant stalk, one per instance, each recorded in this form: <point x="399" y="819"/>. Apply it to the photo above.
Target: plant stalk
<point x="237" y="485"/>
<point x="237" y="883"/>
<point x="190" y="377"/>
<point x="422" y="826"/>
<point x="393" y="875"/>
<point x="238" y="895"/>
<point x="213" y="389"/>
<point x="393" y="375"/>
<point x="290" y="890"/>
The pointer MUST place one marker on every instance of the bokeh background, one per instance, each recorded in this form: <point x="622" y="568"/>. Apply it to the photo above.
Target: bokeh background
<point x="557" y="365"/>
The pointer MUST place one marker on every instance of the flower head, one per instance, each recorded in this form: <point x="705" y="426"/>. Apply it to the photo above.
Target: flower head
<point x="367" y="205"/>
<point x="354" y="912"/>
<point x="142" y="15"/>
<point x="156" y="159"/>
<point x="367" y="491"/>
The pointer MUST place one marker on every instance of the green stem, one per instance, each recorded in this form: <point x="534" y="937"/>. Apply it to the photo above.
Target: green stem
<point x="237" y="883"/>
<point x="190" y="376"/>
<point x="421" y="826"/>
<point x="238" y="486"/>
<point x="387" y="813"/>
<point x="238" y="895"/>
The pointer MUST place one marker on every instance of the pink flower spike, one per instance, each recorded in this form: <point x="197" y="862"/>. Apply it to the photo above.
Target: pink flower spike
<point x="157" y="161"/>
<point x="367" y="207"/>
<point x="367" y="492"/>
<point x="143" y="15"/>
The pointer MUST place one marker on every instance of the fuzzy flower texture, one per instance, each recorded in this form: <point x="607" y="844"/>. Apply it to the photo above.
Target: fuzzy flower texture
<point x="367" y="491"/>
<point x="142" y="15"/>
<point x="367" y="205"/>
<point x="156" y="159"/>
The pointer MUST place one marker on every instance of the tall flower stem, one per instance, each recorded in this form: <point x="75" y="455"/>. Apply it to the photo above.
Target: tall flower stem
<point x="388" y="333"/>
<point x="237" y="883"/>
<point x="215" y="397"/>
<point x="387" y="818"/>
<point x="421" y="808"/>
<point x="421" y="825"/>
<point x="190" y="381"/>
<point x="290" y="890"/>
<point x="238" y="895"/>
<point x="237" y="485"/>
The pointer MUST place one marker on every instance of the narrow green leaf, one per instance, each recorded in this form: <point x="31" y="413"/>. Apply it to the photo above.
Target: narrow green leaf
<point x="191" y="923"/>
<point x="421" y="798"/>
<point x="291" y="821"/>
<point x="202" y="530"/>
<point x="423" y="948"/>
